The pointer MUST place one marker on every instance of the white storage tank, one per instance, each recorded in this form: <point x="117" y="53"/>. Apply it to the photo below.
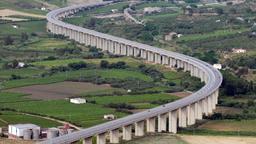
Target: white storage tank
<point x="52" y="133"/>
<point x="36" y="134"/>
<point x="18" y="129"/>
<point x="27" y="134"/>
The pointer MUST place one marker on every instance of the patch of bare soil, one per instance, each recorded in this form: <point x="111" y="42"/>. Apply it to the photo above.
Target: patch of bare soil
<point x="60" y="90"/>
<point x="74" y="2"/>
<point x="181" y="94"/>
<point x="217" y="140"/>
<point x="227" y="110"/>
<point x="9" y="12"/>
<point x="10" y="141"/>
<point x="109" y="16"/>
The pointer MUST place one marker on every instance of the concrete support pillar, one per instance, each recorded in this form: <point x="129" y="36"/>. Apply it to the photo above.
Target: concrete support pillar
<point x="139" y="128"/>
<point x="205" y="106"/>
<point x="213" y="97"/>
<point x="173" y="121"/>
<point x="199" y="112"/>
<point x="165" y="60"/>
<point x="77" y="38"/>
<point x="101" y="138"/>
<point x="183" y="117"/>
<point x="185" y="66"/>
<point x="130" y="51"/>
<point x="127" y="132"/>
<point x="158" y="59"/>
<point x="143" y="54"/>
<point x="162" y="122"/>
<point x="172" y="62"/>
<point x="117" y="48"/>
<point x="136" y="52"/>
<point x="114" y="136"/>
<point x="87" y="140"/>
<point x="209" y="102"/>
<point x="191" y="114"/>
<point x="151" y="124"/>
<point x="123" y="49"/>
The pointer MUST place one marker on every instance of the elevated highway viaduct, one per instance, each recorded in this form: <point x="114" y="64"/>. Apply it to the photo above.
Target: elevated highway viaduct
<point x="180" y="113"/>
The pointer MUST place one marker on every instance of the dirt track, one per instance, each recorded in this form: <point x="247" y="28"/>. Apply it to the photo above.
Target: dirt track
<point x="60" y="90"/>
<point x="218" y="140"/>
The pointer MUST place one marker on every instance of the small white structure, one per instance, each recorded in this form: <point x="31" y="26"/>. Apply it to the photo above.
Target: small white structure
<point x="114" y="10"/>
<point x="18" y="129"/>
<point x="21" y="64"/>
<point x="109" y="117"/>
<point x="78" y="100"/>
<point x="217" y="66"/>
<point x="240" y="50"/>
<point x="129" y="91"/>
<point x="15" y="26"/>
<point x="43" y="8"/>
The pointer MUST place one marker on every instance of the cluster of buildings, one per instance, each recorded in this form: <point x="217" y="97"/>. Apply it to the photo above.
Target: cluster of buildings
<point x="35" y="132"/>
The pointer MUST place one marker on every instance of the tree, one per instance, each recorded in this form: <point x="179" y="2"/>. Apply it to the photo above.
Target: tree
<point x="8" y="40"/>
<point x="78" y="65"/>
<point x="104" y="64"/>
<point x="24" y="37"/>
<point x="91" y="23"/>
<point x="219" y="11"/>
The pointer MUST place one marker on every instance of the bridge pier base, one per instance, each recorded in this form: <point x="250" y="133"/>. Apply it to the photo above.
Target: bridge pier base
<point x="139" y="128"/>
<point x="101" y="138"/>
<point x="151" y="125"/>
<point x="114" y="136"/>
<point x="183" y="117"/>
<point x="87" y="140"/>
<point x="127" y="132"/>
<point x="173" y="121"/>
<point x="162" y="120"/>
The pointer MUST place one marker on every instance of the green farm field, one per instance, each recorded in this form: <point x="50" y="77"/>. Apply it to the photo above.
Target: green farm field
<point x="112" y="73"/>
<point x="24" y="27"/>
<point x="14" y="118"/>
<point x="84" y="115"/>
<point x="230" y="125"/>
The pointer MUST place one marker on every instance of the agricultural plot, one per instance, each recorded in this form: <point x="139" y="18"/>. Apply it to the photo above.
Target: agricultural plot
<point x="14" y="118"/>
<point x="82" y="115"/>
<point x="23" y="27"/>
<point x="159" y="139"/>
<point x="139" y="101"/>
<point x="24" y="72"/>
<point x="62" y="76"/>
<point x="59" y="90"/>
<point x="230" y="125"/>
<point x="45" y="44"/>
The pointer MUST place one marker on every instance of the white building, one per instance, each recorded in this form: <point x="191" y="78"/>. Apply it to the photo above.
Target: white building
<point x="109" y="117"/>
<point x="18" y="129"/>
<point x="21" y="64"/>
<point x="217" y="66"/>
<point x="78" y="100"/>
<point x="43" y="8"/>
<point x="239" y="50"/>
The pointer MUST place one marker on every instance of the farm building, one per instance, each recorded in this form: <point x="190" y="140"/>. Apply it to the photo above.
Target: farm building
<point x="18" y="129"/>
<point x="217" y="66"/>
<point x="109" y="117"/>
<point x="78" y="100"/>
<point x="240" y="50"/>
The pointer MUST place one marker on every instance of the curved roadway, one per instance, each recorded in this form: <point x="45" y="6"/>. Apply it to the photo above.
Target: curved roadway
<point x="213" y="82"/>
